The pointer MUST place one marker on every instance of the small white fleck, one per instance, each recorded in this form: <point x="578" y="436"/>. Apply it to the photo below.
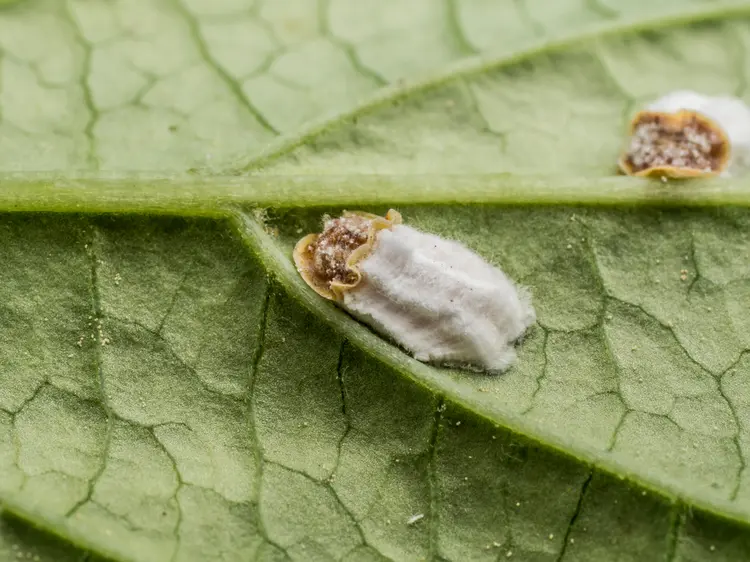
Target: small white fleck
<point x="414" y="518"/>
<point x="458" y="423"/>
<point x="570" y="246"/>
<point x="712" y="548"/>
<point x="551" y="536"/>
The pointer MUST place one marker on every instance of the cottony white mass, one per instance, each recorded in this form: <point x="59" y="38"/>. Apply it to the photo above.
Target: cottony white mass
<point x="436" y="298"/>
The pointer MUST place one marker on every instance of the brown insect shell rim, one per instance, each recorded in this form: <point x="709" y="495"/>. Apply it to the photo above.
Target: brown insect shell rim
<point x="675" y="171"/>
<point x="303" y="259"/>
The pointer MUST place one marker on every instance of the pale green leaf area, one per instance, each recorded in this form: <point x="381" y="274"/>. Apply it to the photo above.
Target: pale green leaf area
<point x="170" y="390"/>
<point x="559" y="112"/>
<point x="167" y="85"/>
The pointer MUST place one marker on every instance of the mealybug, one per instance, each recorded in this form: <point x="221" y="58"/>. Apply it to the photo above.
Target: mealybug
<point x="436" y="298"/>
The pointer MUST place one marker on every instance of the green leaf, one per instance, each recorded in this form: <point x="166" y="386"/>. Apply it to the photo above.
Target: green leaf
<point x="163" y="86"/>
<point x="22" y="542"/>
<point x="558" y="109"/>
<point x="171" y="390"/>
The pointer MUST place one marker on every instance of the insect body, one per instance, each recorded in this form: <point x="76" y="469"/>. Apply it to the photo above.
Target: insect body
<point x="436" y="298"/>
<point x="687" y="134"/>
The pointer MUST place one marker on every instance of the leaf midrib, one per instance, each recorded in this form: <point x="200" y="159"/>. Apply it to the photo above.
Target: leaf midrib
<point x="212" y="196"/>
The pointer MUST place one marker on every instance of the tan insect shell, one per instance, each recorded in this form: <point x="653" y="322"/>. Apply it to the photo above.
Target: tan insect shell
<point x="303" y="258"/>
<point x="677" y="118"/>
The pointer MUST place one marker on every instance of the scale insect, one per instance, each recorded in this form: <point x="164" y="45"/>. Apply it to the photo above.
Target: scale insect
<point x="676" y="145"/>
<point x="686" y="134"/>
<point x="436" y="298"/>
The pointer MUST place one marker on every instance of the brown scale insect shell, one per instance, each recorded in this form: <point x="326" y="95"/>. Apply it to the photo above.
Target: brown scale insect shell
<point x="677" y="120"/>
<point x="334" y="290"/>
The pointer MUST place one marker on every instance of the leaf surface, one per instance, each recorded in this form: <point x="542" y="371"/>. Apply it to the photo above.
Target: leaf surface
<point x="172" y="391"/>
<point x="167" y="85"/>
